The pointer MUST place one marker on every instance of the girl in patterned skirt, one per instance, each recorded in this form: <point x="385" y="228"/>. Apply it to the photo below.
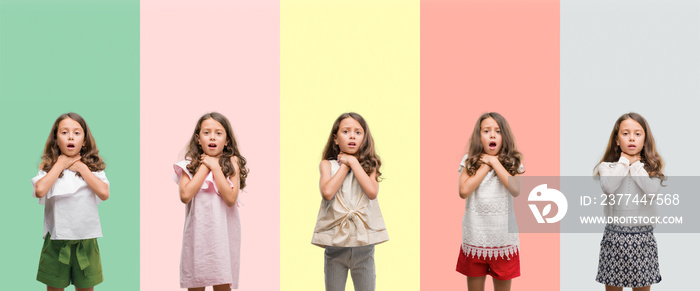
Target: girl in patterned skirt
<point x="631" y="165"/>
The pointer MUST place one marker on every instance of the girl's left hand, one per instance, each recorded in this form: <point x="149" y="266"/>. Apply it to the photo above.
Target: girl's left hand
<point x="346" y="159"/>
<point x="76" y="166"/>
<point x="209" y="161"/>
<point x="489" y="159"/>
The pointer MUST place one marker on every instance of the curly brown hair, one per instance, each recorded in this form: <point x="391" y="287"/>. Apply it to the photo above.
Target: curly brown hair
<point x="508" y="155"/>
<point x="653" y="163"/>
<point x="194" y="150"/>
<point x="89" y="154"/>
<point x="366" y="154"/>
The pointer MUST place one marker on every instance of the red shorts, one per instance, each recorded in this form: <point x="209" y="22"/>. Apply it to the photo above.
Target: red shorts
<point x="499" y="268"/>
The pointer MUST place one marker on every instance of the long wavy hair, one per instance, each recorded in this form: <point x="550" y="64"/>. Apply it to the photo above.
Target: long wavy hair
<point x="366" y="154"/>
<point x="89" y="154"/>
<point x="653" y="163"/>
<point x="508" y="155"/>
<point x="194" y="150"/>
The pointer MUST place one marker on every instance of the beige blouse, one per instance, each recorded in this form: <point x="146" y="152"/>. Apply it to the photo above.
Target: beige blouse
<point x="350" y="219"/>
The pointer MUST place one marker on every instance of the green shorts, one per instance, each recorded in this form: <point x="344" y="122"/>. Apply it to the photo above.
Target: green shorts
<point x="63" y="262"/>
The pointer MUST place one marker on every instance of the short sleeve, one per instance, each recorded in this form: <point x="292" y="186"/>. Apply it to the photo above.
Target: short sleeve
<point x="69" y="184"/>
<point x="181" y="168"/>
<point x="103" y="177"/>
<point x="36" y="178"/>
<point x="463" y="164"/>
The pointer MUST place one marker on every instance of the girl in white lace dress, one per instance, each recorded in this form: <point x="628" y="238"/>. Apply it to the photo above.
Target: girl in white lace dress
<point x="490" y="243"/>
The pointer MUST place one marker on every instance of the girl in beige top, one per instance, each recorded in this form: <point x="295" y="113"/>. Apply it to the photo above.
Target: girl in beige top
<point x="349" y="221"/>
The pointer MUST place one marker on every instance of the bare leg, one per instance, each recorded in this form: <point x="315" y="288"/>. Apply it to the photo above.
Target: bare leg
<point x="196" y="289"/>
<point x="84" y="289"/>
<point x="476" y="283"/>
<point x="49" y="288"/>
<point x="222" y="287"/>
<point x="645" y="288"/>
<point x="612" y="288"/>
<point x="501" y="285"/>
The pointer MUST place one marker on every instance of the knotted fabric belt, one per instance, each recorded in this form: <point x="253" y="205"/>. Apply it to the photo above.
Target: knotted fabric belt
<point x="355" y="217"/>
<point x="80" y="253"/>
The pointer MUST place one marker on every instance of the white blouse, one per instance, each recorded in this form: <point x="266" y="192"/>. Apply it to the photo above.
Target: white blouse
<point x="622" y="178"/>
<point x="70" y="207"/>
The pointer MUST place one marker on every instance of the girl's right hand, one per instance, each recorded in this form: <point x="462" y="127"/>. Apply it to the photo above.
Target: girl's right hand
<point x="66" y="162"/>
<point x="346" y="159"/>
<point x="210" y="162"/>
<point x="630" y="158"/>
<point x="488" y="160"/>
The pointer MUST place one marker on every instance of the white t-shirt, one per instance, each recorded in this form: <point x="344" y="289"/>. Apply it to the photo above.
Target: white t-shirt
<point x="70" y="207"/>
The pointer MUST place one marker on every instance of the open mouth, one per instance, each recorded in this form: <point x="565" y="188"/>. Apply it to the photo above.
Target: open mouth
<point x="352" y="144"/>
<point x="70" y="146"/>
<point x="492" y="145"/>
<point x="212" y="146"/>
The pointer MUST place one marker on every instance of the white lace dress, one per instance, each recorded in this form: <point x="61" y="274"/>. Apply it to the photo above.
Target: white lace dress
<point x="489" y="228"/>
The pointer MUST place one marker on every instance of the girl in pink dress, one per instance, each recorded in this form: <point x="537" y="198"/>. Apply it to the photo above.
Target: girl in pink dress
<point x="210" y="178"/>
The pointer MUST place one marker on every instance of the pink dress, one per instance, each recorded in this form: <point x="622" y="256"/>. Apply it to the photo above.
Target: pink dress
<point x="211" y="240"/>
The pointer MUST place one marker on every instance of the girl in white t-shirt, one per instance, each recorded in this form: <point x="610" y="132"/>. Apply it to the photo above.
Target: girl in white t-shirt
<point x="490" y="243"/>
<point x="70" y="184"/>
<point x="628" y="252"/>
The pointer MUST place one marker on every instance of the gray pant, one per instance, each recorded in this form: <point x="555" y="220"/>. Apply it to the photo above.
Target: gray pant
<point x="360" y="262"/>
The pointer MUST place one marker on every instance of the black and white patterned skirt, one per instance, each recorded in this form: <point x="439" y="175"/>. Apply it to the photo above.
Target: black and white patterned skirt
<point x="628" y="257"/>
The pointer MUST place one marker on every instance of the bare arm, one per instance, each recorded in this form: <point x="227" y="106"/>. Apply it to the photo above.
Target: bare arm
<point x="369" y="183"/>
<point x="45" y="183"/>
<point x="229" y="194"/>
<point x="98" y="186"/>
<point x="504" y="176"/>
<point x="467" y="184"/>
<point x="190" y="187"/>
<point x="330" y="185"/>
